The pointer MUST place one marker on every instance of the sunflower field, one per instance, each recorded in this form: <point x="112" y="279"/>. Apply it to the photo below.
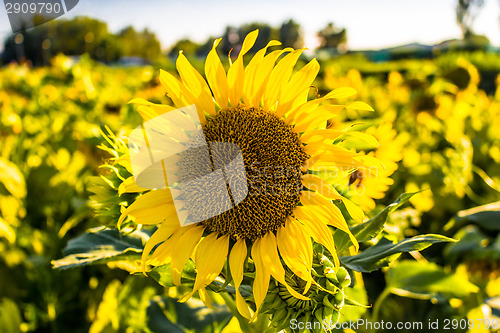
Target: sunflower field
<point x="391" y="221"/>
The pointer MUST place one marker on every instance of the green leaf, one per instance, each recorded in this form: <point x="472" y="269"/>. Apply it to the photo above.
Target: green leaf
<point x="385" y="251"/>
<point x="162" y="274"/>
<point x="370" y="229"/>
<point x="486" y="216"/>
<point x="168" y="315"/>
<point x="99" y="246"/>
<point x="427" y="280"/>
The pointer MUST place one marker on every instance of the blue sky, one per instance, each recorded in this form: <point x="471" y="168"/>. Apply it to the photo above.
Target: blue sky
<point x="369" y="23"/>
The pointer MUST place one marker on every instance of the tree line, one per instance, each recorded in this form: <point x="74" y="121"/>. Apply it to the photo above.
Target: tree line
<point x="87" y="35"/>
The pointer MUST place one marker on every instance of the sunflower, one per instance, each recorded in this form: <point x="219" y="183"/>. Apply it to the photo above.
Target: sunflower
<point x="263" y="109"/>
<point x="367" y="184"/>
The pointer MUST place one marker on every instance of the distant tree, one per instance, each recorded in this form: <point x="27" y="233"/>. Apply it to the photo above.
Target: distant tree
<point x="142" y="44"/>
<point x="332" y="37"/>
<point x="291" y="34"/>
<point x="76" y="37"/>
<point x="188" y="47"/>
<point x="71" y="37"/>
<point x="233" y="37"/>
<point x="466" y="12"/>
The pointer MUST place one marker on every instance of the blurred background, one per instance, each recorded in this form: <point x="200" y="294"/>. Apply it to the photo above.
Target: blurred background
<point x="429" y="69"/>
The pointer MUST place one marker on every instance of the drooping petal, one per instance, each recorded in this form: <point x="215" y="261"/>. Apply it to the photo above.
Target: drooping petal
<point x="317" y="230"/>
<point x="326" y="211"/>
<point x="295" y="248"/>
<point x="205" y="298"/>
<point x="237" y="259"/>
<point x="162" y="255"/>
<point x="269" y="253"/>
<point x="300" y="82"/>
<point x="279" y="78"/>
<point x="160" y="235"/>
<point x="210" y="258"/>
<point x="183" y="250"/>
<point x="216" y="76"/>
<point x="262" y="277"/>
<point x="236" y="73"/>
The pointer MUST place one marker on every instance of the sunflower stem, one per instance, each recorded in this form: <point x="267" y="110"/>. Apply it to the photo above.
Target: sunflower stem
<point x="378" y="304"/>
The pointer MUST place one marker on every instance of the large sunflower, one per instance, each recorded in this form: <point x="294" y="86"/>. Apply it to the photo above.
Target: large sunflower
<point x="263" y="109"/>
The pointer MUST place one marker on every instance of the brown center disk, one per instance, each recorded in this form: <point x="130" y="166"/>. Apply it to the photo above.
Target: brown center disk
<point x="273" y="157"/>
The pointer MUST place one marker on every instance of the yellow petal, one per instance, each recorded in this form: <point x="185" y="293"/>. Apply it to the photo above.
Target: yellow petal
<point x="146" y="204"/>
<point x="317" y="118"/>
<point x="333" y="156"/>
<point x="300" y="82"/>
<point x="262" y="277"/>
<point x="263" y="73"/>
<point x="328" y="212"/>
<point x="250" y="86"/>
<point x="301" y="111"/>
<point x="354" y="211"/>
<point x="210" y="257"/>
<point x="320" y="186"/>
<point x="149" y="110"/>
<point x="236" y="73"/>
<point x="162" y="255"/>
<point x="124" y="161"/>
<point x="179" y="94"/>
<point x="160" y="235"/>
<point x="183" y="250"/>
<point x="296" y="250"/>
<point x="269" y="252"/>
<point x="321" y="135"/>
<point x="129" y="186"/>
<point x="341" y="92"/>
<point x="237" y="259"/>
<point x="279" y="78"/>
<point x="317" y="184"/>
<point x="196" y="85"/>
<point x="205" y="298"/>
<point x="317" y="230"/>
<point x="358" y="105"/>
<point x="216" y="76"/>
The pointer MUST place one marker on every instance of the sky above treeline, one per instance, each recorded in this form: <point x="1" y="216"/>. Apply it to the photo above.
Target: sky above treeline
<point x="370" y="24"/>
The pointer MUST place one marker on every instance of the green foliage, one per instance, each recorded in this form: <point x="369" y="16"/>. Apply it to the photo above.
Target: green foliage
<point x="414" y="279"/>
<point x="101" y="246"/>
<point x="50" y="124"/>
<point x="384" y="252"/>
<point x="168" y="315"/>
<point x="79" y="36"/>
